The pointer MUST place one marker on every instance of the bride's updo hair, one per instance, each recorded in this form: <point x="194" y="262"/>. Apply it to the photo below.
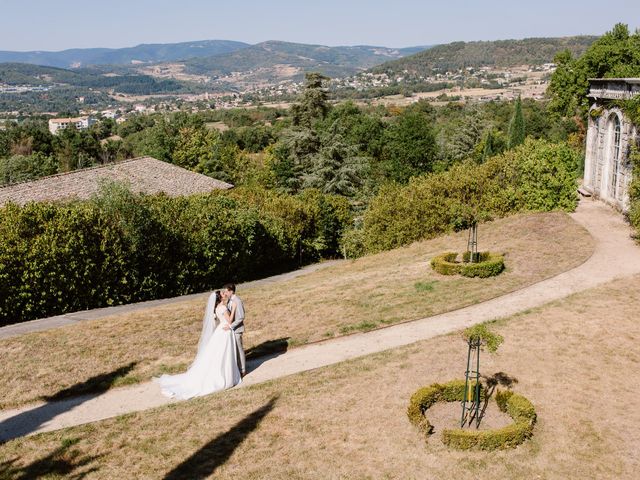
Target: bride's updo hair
<point x="218" y="298"/>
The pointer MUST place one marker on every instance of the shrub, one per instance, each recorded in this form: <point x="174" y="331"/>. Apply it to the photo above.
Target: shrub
<point x="425" y="397"/>
<point x="445" y="263"/>
<point x="352" y="243"/>
<point x="516" y="406"/>
<point x="490" y="265"/>
<point x="120" y="247"/>
<point x="477" y="257"/>
<point x="536" y="175"/>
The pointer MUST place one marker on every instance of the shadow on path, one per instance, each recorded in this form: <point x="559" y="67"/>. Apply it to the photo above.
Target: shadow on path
<point x="215" y="453"/>
<point x="29" y="421"/>
<point x="264" y="351"/>
<point x="268" y="348"/>
<point x="62" y="462"/>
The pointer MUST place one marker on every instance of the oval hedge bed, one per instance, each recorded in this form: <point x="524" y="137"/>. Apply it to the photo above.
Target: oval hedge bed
<point x="516" y="406"/>
<point x="488" y="264"/>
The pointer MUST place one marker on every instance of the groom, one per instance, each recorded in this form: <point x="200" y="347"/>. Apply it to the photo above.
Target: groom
<point x="231" y="299"/>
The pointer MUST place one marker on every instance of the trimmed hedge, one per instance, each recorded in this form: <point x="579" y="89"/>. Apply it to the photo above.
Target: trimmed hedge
<point x="121" y="247"/>
<point x="516" y="406"/>
<point x="490" y="264"/>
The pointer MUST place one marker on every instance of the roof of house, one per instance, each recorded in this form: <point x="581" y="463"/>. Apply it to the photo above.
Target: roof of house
<point x="143" y="175"/>
<point x="67" y="120"/>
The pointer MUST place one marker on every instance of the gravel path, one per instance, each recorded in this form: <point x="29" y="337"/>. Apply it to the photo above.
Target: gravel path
<point x="615" y="256"/>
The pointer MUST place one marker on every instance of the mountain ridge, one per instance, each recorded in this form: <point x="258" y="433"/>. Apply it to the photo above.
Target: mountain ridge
<point x="144" y="52"/>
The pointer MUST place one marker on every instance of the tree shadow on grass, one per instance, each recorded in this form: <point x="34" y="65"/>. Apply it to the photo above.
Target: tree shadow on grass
<point x="215" y="453"/>
<point x="62" y="462"/>
<point x="491" y="383"/>
<point x="65" y="400"/>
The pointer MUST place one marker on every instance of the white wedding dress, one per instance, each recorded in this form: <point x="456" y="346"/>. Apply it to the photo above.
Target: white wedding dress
<point x="216" y="364"/>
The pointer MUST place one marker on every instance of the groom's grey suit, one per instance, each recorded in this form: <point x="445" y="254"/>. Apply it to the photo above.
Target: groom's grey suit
<point x="238" y="328"/>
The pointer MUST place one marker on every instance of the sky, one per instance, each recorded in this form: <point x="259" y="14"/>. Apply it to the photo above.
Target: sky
<point x="60" y="24"/>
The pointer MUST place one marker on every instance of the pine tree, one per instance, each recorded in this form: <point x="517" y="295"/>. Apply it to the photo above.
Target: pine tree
<point x="516" y="126"/>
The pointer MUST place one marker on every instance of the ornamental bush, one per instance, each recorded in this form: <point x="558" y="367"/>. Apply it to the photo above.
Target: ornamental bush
<point x="121" y="247"/>
<point x="489" y="265"/>
<point x="516" y="406"/>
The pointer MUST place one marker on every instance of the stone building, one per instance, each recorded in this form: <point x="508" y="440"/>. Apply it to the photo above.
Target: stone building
<point x="610" y="135"/>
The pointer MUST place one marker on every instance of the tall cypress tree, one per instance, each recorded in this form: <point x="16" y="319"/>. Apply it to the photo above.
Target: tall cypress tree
<point x="516" y="126"/>
<point x="489" y="148"/>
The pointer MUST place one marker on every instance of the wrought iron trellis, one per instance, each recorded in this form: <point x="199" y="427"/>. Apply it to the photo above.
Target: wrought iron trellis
<point x="471" y="399"/>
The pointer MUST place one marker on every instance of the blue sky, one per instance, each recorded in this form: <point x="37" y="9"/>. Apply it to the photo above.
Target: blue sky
<point x="61" y="24"/>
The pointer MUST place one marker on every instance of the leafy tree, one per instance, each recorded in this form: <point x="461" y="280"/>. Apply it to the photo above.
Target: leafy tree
<point x="615" y="54"/>
<point x="194" y="145"/>
<point x="20" y="168"/>
<point x="362" y="130"/>
<point x="409" y="146"/>
<point x="336" y="168"/>
<point x="463" y="137"/>
<point x="516" y="126"/>
<point x="76" y="149"/>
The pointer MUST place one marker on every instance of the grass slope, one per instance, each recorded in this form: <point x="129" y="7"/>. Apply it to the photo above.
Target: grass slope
<point x="575" y="359"/>
<point x="358" y="295"/>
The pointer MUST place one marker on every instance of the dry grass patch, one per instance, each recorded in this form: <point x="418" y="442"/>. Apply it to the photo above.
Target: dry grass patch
<point x="358" y="295"/>
<point x="576" y="360"/>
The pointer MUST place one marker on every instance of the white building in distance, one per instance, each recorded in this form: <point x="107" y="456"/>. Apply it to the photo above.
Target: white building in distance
<point x="81" y="123"/>
<point x="610" y="136"/>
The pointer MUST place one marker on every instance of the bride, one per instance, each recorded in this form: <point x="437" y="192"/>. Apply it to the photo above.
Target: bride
<point x="216" y="365"/>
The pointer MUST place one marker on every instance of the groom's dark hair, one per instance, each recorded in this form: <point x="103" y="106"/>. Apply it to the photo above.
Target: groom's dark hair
<point x="230" y="286"/>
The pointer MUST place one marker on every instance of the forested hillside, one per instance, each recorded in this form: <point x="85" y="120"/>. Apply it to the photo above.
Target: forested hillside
<point x="500" y="53"/>
<point x="26" y="74"/>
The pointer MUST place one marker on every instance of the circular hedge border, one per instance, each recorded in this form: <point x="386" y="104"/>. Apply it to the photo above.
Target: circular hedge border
<point x="516" y="406"/>
<point x="487" y="265"/>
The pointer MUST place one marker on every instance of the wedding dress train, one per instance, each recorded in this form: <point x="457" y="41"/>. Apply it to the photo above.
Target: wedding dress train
<point x="215" y="366"/>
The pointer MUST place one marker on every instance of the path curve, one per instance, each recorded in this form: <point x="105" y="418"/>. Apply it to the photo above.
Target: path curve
<point x="615" y="256"/>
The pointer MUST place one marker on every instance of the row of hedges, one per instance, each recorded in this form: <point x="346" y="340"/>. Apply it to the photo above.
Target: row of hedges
<point x="488" y="264"/>
<point x="536" y="176"/>
<point x="516" y="406"/>
<point x="120" y="247"/>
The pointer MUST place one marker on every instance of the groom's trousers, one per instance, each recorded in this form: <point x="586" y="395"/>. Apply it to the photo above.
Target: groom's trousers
<point x="241" y="359"/>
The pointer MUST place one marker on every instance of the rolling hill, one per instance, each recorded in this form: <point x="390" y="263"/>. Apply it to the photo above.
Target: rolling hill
<point x="500" y="53"/>
<point x="145" y="53"/>
<point x="279" y="60"/>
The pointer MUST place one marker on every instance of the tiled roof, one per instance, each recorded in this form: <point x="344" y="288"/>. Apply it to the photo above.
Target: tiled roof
<point x="144" y="175"/>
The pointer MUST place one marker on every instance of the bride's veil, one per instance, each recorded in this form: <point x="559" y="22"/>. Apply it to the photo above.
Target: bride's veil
<point x="208" y="324"/>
